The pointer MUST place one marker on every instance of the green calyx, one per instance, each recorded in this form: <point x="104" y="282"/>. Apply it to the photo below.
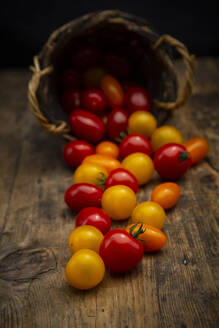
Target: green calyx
<point x="137" y="232"/>
<point x="101" y="180"/>
<point x="122" y="136"/>
<point x="183" y="156"/>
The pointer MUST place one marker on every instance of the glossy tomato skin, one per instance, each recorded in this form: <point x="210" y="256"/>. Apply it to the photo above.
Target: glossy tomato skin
<point x="153" y="239"/>
<point x="112" y="90"/>
<point x="108" y="148"/>
<point x="122" y="177"/>
<point x="85" y="56"/>
<point x="135" y="143"/>
<point x="197" y="148"/>
<point x="137" y="99"/>
<point x="95" y="101"/>
<point x="86" y="125"/>
<point x="117" y="123"/>
<point x="75" y="151"/>
<point x="95" y="217"/>
<point x="69" y="78"/>
<point x="171" y="161"/>
<point x="71" y="99"/>
<point x="108" y="162"/>
<point x="166" y="194"/>
<point x="120" y="251"/>
<point x="82" y="195"/>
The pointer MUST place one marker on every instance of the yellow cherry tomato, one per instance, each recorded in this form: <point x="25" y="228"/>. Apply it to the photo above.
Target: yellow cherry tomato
<point x="85" y="269"/>
<point x="108" y="148"/>
<point x="149" y="213"/>
<point x="93" y="76"/>
<point x="140" y="165"/>
<point x="85" y="236"/>
<point x="119" y="202"/>
<point x="166" y="194"/>
<point x="164" y="135"/>
<point x="90" y="173"/>
<point x="142" y="122"/>
<point x="108" y="162"/>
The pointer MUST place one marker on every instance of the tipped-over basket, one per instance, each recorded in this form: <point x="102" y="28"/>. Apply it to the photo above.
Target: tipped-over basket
<point x="151" y="54"/>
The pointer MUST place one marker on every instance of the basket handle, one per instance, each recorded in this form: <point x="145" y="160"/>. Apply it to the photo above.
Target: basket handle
<point x="190" y="66"/>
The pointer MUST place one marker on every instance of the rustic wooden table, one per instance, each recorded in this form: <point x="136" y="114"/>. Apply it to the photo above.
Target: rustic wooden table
<point x="177" y="287"/>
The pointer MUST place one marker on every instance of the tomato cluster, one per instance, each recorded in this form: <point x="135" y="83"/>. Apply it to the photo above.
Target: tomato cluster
<point x="118" y="148"/>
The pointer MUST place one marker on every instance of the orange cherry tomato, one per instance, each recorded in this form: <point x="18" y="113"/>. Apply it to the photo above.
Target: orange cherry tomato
<point x="108" y="162"/>
<point x="166" y="194"/>
<point x="197" y="148"/>
<point x="108" y="148"/>
<point x="112" y="89"/>
<point x="153" y="238"/>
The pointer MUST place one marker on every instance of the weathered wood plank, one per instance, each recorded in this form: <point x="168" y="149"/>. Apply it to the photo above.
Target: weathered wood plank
<point x="177" y="287"/>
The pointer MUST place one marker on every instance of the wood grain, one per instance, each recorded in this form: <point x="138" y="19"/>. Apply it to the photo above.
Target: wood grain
<point x="177" y="287"/>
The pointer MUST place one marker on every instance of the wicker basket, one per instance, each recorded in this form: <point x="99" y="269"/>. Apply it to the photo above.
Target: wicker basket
<point x="152" y="55"/>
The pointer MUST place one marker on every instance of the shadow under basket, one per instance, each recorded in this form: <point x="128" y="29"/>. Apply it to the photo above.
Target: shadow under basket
<point x="151" y="56"/>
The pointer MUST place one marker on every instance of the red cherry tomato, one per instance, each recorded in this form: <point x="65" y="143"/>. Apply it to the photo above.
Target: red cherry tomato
<point x="135" y="143"/>
<point x="112" y="89"/>
<point x="82" y="195"/>
<point x="85" y="56"/>
<point x="71" y="99"/>
<point x="86" y="125"/>
<point x="95" y="217"/>
<point x="94" y="100"/>
<point x="171" y="161"/>
<point x="122" y="177"/>
<point x="75" y="151"/>
<point x="70" y="78"/>
<point x="137" y="99"/>
<point x="117" y="65"/>
<point x="117" y="123"/>
<point x="120" y="251"/>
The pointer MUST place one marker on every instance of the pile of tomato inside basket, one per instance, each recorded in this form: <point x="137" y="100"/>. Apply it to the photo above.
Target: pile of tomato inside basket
<point x="118" y="147"/>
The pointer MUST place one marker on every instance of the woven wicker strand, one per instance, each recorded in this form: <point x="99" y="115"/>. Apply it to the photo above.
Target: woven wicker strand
<point x="190" y="64"/>
<point x="61" y="128"/>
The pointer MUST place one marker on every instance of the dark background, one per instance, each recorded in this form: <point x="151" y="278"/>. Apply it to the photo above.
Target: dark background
<point x="26" y="25"/>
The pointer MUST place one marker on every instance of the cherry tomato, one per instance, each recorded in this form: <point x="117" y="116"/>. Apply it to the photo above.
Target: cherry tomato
<point x="92" y="77"/>
<point x="75" y="151"/>
<point x="85" y="56"/>
<point x="112" y="89"/>
<point x="120" y="251"/>
<point x="71" y="99"/>
<point x="86" y="125"/>
<point x="70" y="78"/>
<point x="149" y="213"/>
<point x="137" y="99"/>
<point x="108" y="162"/>
<point x="90" y="173"/>
<point x="140" y="165"/>
<point x="164" y="135"/>
<point x="171" y="161"/>
<point x="142" y="122"/>
<point x="197" y="148"/>
<point x="117" y="123"/>
<point x="95" y="217"/>
<point x="108" y="148"/>
<point x="94" y="100"/>
<point x="153" y="238"/>
<point x="119" y="202"/>
<point x="135" y="143"/>
<point x="85" y="269"/>
<point x="166" y="194"/>
<point x="83" y="195"/>
<point x="122" y="177"/>
<point x="83" y="237"/>
<point x="117" y="65"/>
